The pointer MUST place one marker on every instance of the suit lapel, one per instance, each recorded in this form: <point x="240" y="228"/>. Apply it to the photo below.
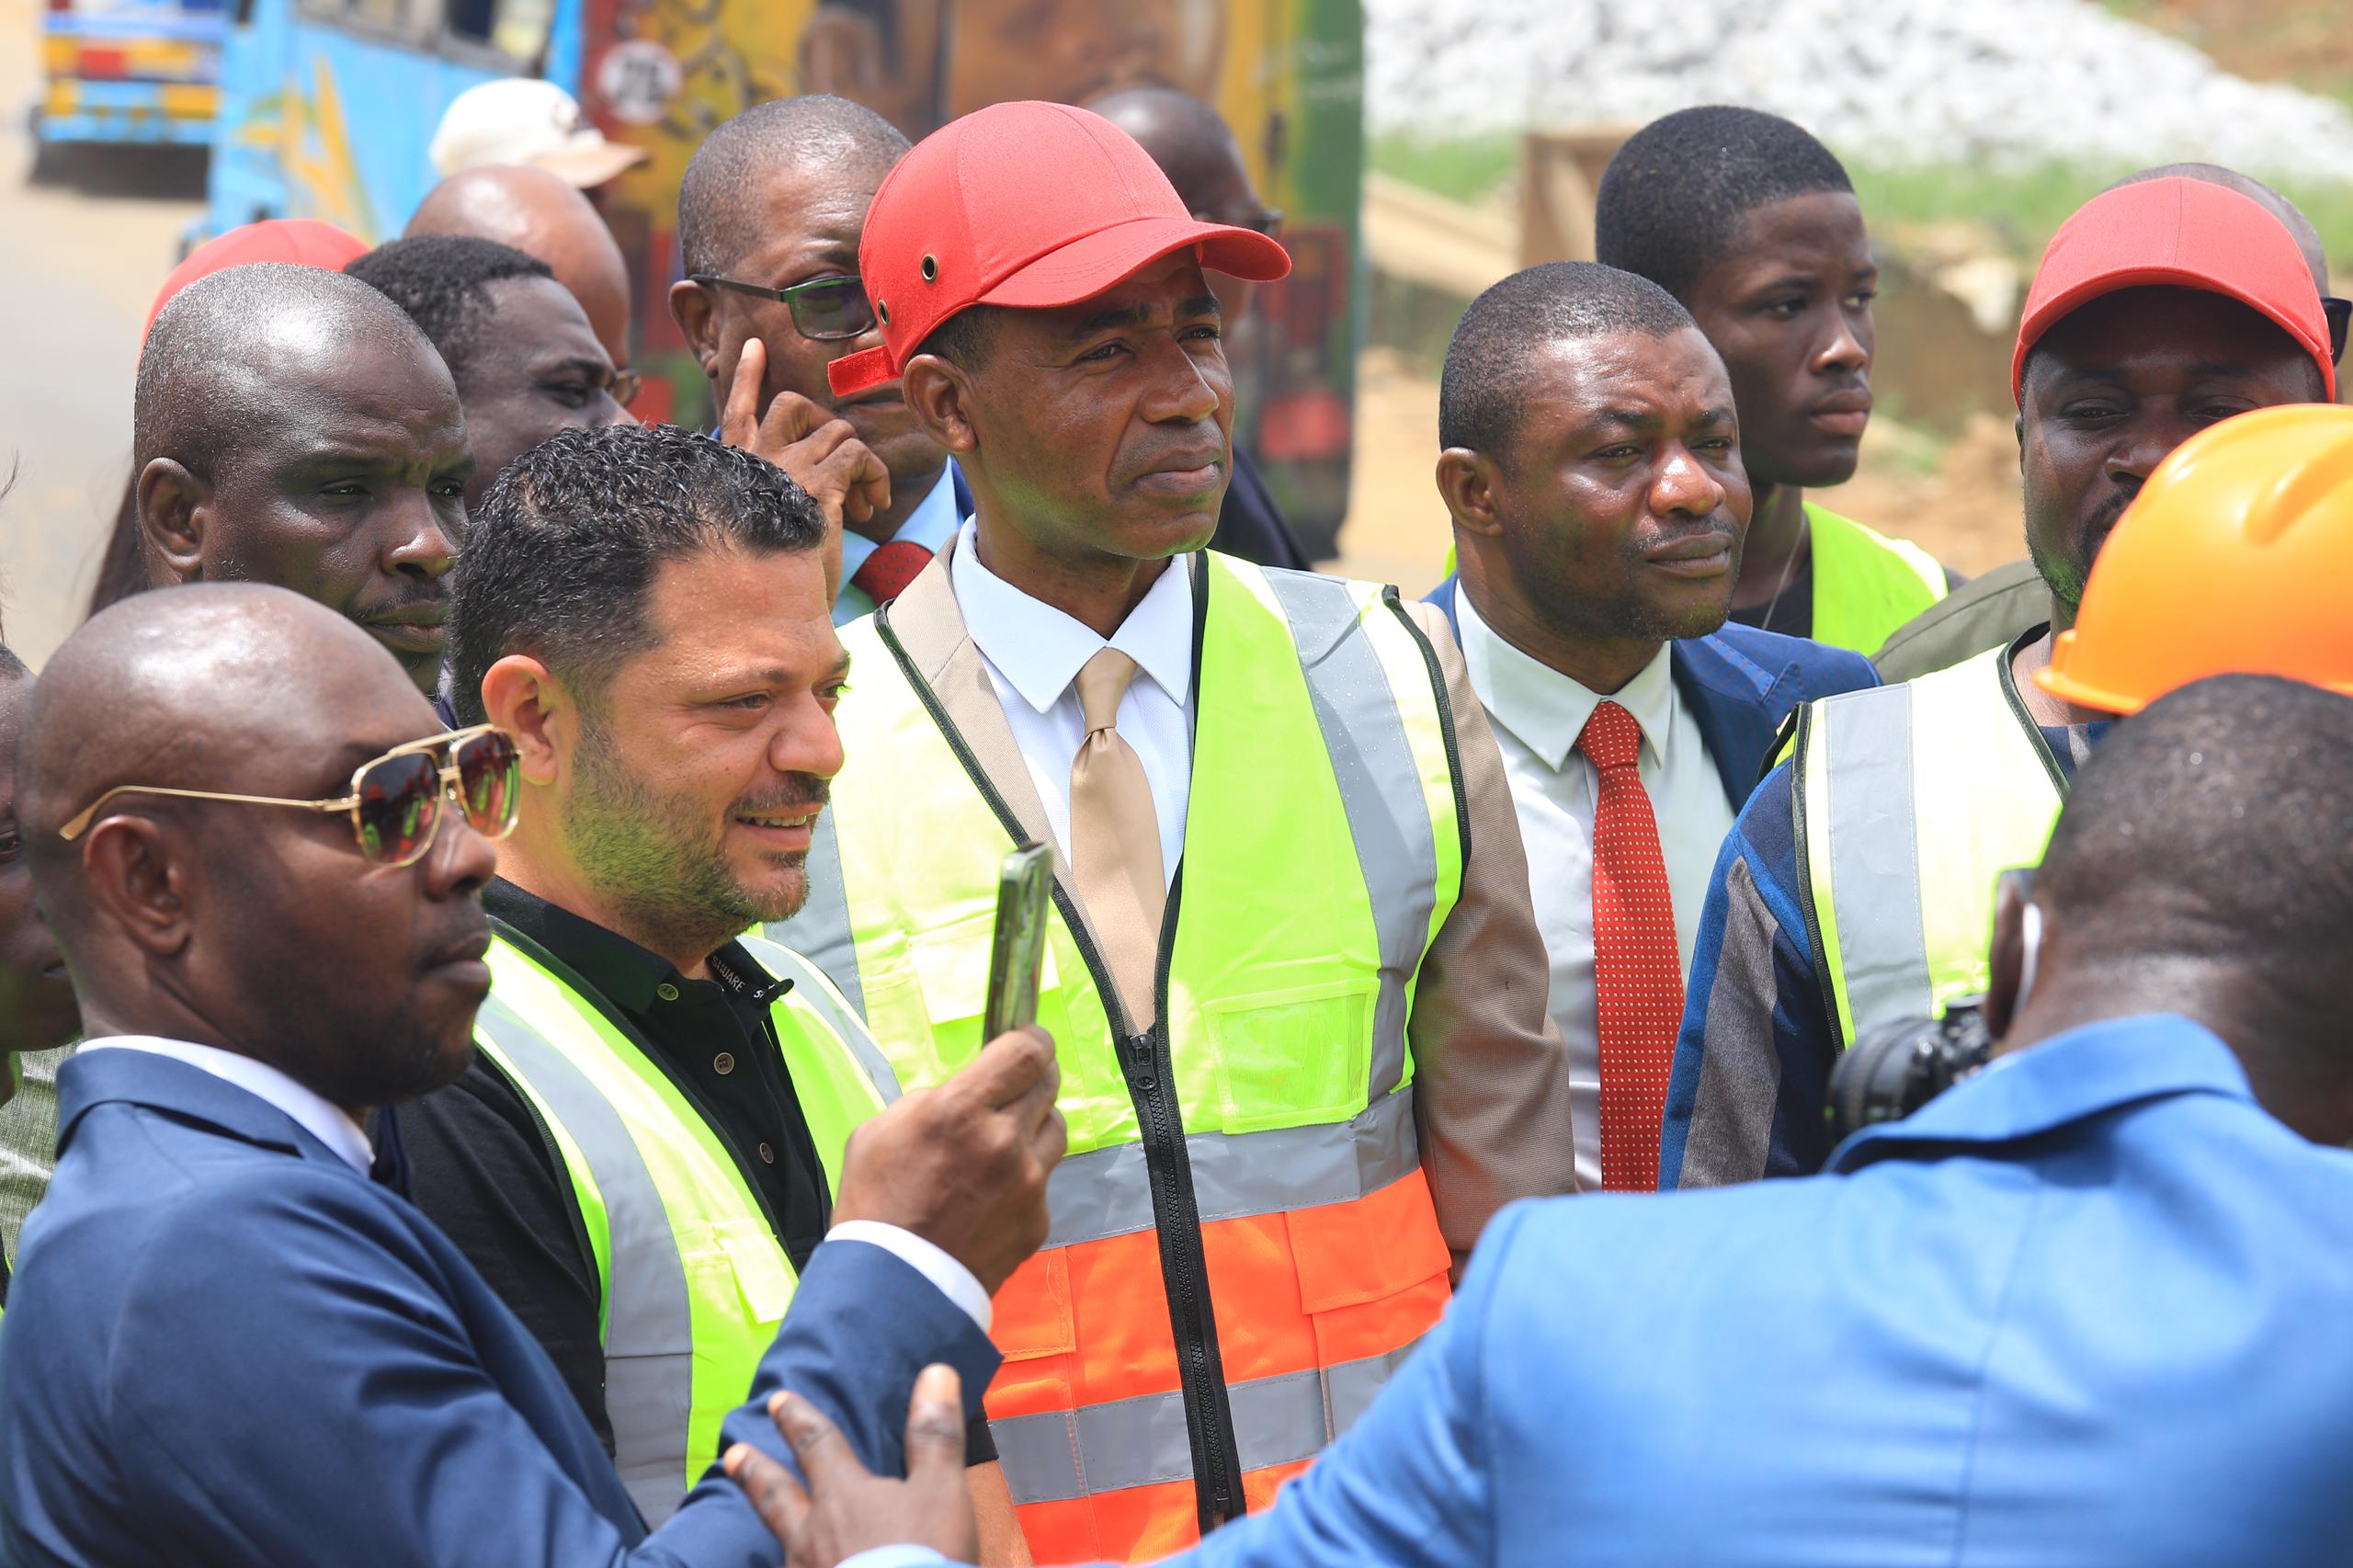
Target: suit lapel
<point x="1737" y="705"/>
<point x="927" y="626"/>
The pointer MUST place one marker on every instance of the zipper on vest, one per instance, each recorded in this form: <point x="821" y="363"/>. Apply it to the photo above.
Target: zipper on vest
<point x="1145" y="1064"/>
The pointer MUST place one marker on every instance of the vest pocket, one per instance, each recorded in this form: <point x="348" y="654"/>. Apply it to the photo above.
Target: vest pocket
<point x="763" y="1275"/>
<point x="1293" y="1057"/>
<point x="951" y="966"/>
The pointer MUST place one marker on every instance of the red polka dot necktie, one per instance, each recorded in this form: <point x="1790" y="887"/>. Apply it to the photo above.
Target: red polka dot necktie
<point x="884" y="575"/>
<point x="1637" y="973"/>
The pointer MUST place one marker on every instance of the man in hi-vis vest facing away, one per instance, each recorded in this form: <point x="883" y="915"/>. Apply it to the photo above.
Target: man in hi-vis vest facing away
<point x="1294" y="981"/>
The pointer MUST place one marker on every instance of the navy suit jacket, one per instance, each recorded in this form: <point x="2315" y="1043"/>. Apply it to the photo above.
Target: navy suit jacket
<point x="1740" y="684"/>
<point x="225" y="1345"/>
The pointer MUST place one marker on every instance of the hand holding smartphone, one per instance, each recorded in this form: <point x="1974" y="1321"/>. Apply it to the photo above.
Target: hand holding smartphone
<point x="1024" y="883"/>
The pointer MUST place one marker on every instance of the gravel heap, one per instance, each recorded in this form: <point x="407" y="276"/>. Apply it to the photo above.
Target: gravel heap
<point x="1887" y="82"/>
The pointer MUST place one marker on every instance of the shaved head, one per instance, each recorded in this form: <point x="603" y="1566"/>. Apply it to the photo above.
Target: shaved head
<point x="1187" y="138"/>
<point x="537" y="214"/>
<point x="2307" y="237"/>
<point x="258" y="929"/>
<point x="721" y="205"/>
<point x="222" y="355"/>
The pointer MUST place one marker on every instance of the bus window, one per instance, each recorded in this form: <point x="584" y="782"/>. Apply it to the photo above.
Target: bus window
<point x="408" y="20"/>
<point x="516" y="28"/>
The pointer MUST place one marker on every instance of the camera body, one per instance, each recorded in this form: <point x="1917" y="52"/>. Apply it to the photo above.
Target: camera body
<point x="1901" y="1066"/>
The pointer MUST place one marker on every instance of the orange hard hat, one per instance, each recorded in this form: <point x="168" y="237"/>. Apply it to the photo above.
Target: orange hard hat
<point x="2235" y="558"/>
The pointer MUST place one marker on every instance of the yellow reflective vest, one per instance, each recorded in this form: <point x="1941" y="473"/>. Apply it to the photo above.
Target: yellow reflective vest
<point x="693" y="1280"/>
<point x="1911" y="801"/>
<point x="1864" y="584"/>
<point x="1244" y="1243"/>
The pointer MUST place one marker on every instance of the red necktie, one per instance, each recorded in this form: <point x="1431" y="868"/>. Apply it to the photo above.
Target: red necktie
<point x="1637" y="973"/>
<point x="884" y="575"/>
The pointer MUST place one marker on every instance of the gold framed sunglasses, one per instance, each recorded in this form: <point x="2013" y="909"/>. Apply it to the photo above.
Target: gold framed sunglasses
<point x="395" y="801"/>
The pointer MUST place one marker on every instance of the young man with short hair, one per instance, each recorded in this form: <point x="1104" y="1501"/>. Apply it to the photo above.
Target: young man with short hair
<point x="1753" y="225"/>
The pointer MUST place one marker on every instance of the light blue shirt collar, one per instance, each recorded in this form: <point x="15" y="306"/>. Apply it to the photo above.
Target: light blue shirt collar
<point x="931" y="525"/>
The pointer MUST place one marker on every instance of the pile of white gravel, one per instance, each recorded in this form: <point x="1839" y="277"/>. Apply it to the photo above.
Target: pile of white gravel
<point x="1888" y="82"/>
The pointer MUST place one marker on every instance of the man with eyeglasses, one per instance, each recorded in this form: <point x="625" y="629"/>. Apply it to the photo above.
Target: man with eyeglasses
<point x="2011" y="601"/>
<point x="1195" y="150"/>
<point x="293" y="426"/>
<point x="525" y="360"/>
<point x="231" y="1339"/>
<point x="769" y="217"/>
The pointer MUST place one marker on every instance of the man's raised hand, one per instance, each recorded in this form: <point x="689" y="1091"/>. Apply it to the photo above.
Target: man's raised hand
<point x="818" y="448"/>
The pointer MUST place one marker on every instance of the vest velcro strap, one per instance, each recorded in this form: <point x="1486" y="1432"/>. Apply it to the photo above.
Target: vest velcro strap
<point x="1105" y="1192"/>
<point x="1137" y="1442"/>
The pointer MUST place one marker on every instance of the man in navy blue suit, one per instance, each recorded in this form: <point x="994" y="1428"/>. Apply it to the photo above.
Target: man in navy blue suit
<point x="230" y="1339"/>
<point x="1591" y="467"/>
<point x="2086" y="1306"/>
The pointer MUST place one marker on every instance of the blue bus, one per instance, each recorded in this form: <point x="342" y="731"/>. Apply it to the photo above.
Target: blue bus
<point x="128" y="70"/>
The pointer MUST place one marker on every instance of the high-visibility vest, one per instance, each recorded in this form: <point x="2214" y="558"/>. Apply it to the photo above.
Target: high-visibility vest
<point x="1911" y="801"/>
<point x="691" y="1278"/>
<point x="1244" y="1246"/>
<point x="1864" y="584"/>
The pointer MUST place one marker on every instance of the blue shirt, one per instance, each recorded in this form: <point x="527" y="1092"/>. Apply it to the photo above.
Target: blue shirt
<point x="2088" y="1307"/>
<point x="931" y="525"/>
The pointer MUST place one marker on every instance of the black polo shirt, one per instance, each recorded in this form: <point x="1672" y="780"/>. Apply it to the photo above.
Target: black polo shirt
<point x="481" y="1168"/>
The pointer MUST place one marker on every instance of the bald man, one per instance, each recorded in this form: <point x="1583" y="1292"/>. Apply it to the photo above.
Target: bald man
<point x="2008" y="602"/>
<point x="1196" y="149"/>
<point x="295" y="426"/>
<point x="541" y="216"/>
<point x="231" y="1339"/>
<point x="773" y="203"/>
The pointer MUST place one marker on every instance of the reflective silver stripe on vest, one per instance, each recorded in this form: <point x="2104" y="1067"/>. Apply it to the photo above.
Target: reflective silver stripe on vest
<point x="1105" y="1192"/>
<point x="1380" y="788"/>
<point x="1875" y="857"/>
<point x="821" y="931"/>
<point x="649" y="1326"/>
<point x="809" y="985"/>
<point x="1055" y="1456"/>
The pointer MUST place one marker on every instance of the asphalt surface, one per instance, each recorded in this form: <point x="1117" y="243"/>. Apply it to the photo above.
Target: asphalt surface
<point x="81" y="256"/>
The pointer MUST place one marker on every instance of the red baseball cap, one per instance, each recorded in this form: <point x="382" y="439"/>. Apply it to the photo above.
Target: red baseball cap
<point x="2185" y="234"/>
<point x="1032" y="205"/>
<point x="305" y="241"/>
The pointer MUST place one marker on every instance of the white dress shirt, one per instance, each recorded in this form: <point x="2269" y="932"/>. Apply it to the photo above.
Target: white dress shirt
<point x="1537" y="713"/>
<point x="331" y="1126"/>
<point x="1034" y="653"/>
<point x="931" y="525"/>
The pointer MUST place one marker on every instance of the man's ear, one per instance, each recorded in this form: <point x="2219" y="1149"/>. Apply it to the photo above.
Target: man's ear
<point x="175" y="509"/>
<point x="2004" y="988"/>
<point x="697" y="314"/>
<point x="1467" y="483"/>
<point x="940" y="393"/>
<point x="523" y="698"/>
<point x="141" y="874"/>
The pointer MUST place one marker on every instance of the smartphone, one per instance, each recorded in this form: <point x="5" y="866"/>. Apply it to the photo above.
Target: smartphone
<point x="1024" y="883"/>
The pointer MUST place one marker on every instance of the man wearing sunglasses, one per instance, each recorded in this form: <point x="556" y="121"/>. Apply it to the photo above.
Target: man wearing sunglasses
<point x="1195" y="150"/>
<point x="769" y="217"/>
<point x="525" y="360"/>
<point x="2011" y="601"/>
<point x="231" y="1339"/>
<point x="293" y="426"/>
<point x="645" y="611"/>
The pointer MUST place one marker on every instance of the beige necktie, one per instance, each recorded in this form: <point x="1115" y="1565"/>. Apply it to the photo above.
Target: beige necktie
<point x="1115" y="838"/>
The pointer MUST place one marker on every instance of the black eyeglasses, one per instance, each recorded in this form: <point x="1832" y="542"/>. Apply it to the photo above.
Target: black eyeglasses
<point x="824" y="308"/>
<point x="2339" y="313"/>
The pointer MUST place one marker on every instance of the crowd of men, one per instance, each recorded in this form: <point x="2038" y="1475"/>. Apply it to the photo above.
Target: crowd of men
<point x="497" y="903"/>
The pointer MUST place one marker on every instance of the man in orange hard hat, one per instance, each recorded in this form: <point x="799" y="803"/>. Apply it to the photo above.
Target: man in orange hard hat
<point x="1857" y="888"/>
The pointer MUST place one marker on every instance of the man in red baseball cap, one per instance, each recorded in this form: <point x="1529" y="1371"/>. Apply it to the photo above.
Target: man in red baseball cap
<point x="2161" y="307"/>
<point x="1291" y="965"/>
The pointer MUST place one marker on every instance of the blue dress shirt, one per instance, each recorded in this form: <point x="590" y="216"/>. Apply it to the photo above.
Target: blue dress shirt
<point x="931" y="525"/>
<point x="2089" y="1307"/>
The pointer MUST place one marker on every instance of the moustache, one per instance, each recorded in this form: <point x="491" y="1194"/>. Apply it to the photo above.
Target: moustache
<point x="801" y="790"/>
